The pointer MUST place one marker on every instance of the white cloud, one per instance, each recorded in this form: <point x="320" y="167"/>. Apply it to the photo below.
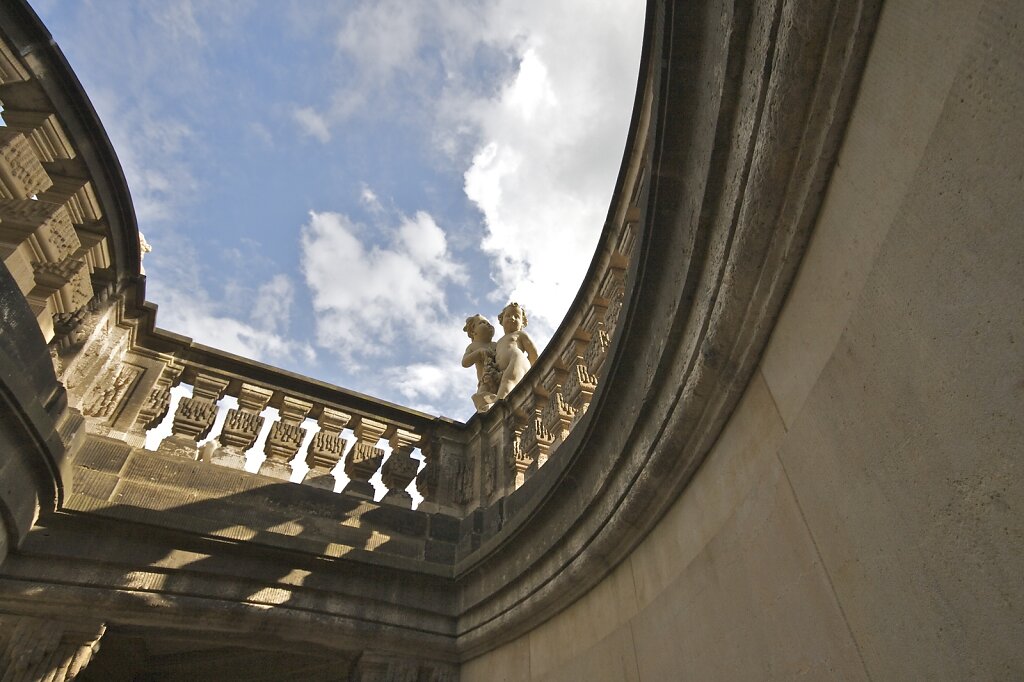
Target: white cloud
<point x="272" y="307"/>
<point x="551" y="144"/>
<point x="541" y="146"/>
<point x="367" y="294"/>
<point x="195" y="314"/>
<point x="369" y="198"/>
<point x="382" y="307"/>
<point x="312" y="123"/>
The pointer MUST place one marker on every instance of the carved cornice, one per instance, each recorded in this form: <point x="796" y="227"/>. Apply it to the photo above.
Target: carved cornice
<point x="49" y="80"/>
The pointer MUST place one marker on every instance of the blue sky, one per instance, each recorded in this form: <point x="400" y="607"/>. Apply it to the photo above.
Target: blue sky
<point x="333" y="188"/>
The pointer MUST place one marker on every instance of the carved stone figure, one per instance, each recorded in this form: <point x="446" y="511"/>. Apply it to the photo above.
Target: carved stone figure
<point x="481" y="354"/>
<point x="144" y="248"/>
<point x="514" y="352"/>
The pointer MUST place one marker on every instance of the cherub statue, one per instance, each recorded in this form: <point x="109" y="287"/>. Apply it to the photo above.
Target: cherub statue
<point x="514" y="352"/>
<point x="481" y="353"/>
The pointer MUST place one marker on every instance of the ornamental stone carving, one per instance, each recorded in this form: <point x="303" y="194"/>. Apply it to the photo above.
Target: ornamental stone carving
<point x="21" y="174"/>
<point x="194" y="417"/>
<point x="364" y="457"/>
<point x="241" y="426"/>
<point x="77" y="197"/>
<point x="44" y="132"/>
<point x="157" y="401"/>
<point x="326" y="448"/>
<point x="400" y="468"/>
<point x="285" y="437"/>
<point x="113" y="387"/>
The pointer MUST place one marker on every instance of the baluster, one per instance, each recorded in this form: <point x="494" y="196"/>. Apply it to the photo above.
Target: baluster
<point x="364" y="457"/>
<point x="521" y="407"/>
<point x="582" y="381"/>
<point x="241" y="427"/>
<point x="523" y="461"/>
<point x="157" y="401"/>
<point x="558" y="413"/>
<point x="325" y="449"/>
<point x="536" y="440"/>
<point x="613" y="290"/>
<point x="400" y="468"/>
<point x="194" y="417"/>
<point x="285" y="437"/>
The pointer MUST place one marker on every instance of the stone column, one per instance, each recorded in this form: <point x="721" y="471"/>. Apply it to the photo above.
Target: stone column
<point x="38" y="649"/>
<point x="364" y="457"/>
<point x="285" y="437"/>
<point x="242" y="426"/>
<point x="194" y="417"/>
<point x="400" y="468"/>
<point x="325" y="449"/>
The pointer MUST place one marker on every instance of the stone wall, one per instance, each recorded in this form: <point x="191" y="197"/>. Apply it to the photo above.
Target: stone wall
<point x="860" y="515"/>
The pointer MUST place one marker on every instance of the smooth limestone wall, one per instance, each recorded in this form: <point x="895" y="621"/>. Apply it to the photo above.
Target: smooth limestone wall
<point x="861" y="515"/>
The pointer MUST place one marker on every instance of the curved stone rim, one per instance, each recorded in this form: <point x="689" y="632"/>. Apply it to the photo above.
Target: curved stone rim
<point x="674" y="381"/>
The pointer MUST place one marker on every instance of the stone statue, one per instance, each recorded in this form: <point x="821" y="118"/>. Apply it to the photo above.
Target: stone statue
<point x="481" y="353"/>
<point x="514" y="352"/>
<point x="144" y="248"/>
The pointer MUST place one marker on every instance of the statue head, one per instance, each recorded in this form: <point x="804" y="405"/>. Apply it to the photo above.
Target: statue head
<point x="512" y="318"/>
<point x="479" y="328"/>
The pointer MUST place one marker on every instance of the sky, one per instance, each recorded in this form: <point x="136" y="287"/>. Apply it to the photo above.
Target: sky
<point x="334" y="187"/>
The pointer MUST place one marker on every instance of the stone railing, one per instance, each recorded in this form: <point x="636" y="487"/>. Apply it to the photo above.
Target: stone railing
<point x="54" y="238"/>
<point x="229" y="410"/>
<point x="78" y="269"/>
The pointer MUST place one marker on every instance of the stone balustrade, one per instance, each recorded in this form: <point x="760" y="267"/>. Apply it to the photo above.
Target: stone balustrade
<point x="317" y="431"/>
<point x="78" y="269"/>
